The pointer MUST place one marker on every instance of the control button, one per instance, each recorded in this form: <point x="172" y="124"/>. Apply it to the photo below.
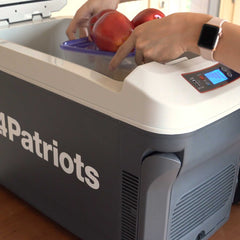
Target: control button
<point x="207" y="82"/>
<point x="224" y="69"/>
<point x="201" y="77"/>
<point x="195" y="83"/>
<point x="229" y="74"/>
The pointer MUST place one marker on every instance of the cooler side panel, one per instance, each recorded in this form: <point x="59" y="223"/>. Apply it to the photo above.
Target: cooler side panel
<point x="201" y="198"/>
<point x="61" y="157"/>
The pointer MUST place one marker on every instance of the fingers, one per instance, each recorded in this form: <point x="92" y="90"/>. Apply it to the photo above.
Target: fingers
<point x="83" y="32"/>
<point x="80" y="20"/>
<point x="84" y="13"/>
<point x="76" y="25"/>
<point x="122" y="52"/>
<point x="139" y="57"/>
<point x="71" y="30"/>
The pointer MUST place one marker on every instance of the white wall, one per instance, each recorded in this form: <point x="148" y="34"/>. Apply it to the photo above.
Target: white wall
<point x="171" y="6"/>
<point x="130" y="9"/>
<point x="70" y="9"/>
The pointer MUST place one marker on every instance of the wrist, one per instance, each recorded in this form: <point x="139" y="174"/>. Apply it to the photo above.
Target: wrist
<point x="209" y="37"/>
<point x="193" y="30"/>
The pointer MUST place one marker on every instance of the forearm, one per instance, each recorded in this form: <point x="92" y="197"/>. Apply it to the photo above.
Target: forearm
<point x="228" y="48"/>
<point x="168" y="38"/>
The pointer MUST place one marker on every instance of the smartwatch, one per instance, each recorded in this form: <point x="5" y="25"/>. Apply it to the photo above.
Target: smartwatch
<point x="209" y="37"/>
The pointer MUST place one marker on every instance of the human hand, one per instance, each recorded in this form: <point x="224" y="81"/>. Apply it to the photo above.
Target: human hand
<point x="84" y="13"/>
<point x="163" y="39"/>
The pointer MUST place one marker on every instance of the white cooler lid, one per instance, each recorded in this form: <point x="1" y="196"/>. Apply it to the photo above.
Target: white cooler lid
<point x="21" y="10"/>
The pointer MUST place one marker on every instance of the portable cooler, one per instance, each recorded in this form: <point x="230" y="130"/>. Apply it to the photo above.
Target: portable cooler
<point x="153" y="157"/>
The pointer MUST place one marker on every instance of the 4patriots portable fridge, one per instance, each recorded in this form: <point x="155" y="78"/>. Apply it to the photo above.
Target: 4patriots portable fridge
<point x="155" y="156"/>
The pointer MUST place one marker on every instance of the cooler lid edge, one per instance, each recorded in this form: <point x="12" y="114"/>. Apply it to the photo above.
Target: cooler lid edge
<point x="22" y="10"/>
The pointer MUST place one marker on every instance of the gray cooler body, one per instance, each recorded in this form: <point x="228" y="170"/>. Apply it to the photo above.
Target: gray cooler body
<point x="153" y="157"/>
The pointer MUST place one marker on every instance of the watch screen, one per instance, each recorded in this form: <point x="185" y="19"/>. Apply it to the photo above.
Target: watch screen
<point x="216" y="76"/>
<point x="208" y="36"/>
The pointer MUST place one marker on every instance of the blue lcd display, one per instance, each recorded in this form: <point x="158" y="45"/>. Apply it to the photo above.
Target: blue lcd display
<point x="216" y="76"/>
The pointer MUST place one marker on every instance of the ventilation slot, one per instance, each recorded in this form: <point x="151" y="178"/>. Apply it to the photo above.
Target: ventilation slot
<point x="201" y="203"/>
<point x="129" y="206"/>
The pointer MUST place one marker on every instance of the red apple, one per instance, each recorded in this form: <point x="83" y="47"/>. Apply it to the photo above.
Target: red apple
<point x="94" y="18"/>
<point x="111" y="30"/>
<point x="147" y="14"/>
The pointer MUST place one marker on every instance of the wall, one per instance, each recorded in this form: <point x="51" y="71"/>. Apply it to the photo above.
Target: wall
<point x="171" y="6"/>
<point x="230" y="10"/>
<point x="130" y="9"/>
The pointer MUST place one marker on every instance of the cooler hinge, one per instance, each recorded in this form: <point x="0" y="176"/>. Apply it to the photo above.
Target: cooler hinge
<point x="37" y="17"/>
<point x="4" y="23"/>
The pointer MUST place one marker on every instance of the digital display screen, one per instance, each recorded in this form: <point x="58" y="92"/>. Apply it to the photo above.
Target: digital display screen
<point x="216" y="76"/>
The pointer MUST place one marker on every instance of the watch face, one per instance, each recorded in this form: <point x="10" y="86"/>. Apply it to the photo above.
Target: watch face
<point x="208" y="36"/>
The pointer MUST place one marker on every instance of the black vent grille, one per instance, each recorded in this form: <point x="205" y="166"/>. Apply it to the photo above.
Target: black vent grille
<point x="201" y="203"/>
<point x="130" y="184"/>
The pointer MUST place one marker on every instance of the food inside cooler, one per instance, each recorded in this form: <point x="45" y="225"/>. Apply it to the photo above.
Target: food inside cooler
<point x="47" y="36"/>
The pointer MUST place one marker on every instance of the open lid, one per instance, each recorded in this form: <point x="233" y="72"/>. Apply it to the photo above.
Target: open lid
<point x="21" y="10"/>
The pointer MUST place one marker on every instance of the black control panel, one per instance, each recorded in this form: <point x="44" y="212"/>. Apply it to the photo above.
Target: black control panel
<point x="211" y="78"/>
